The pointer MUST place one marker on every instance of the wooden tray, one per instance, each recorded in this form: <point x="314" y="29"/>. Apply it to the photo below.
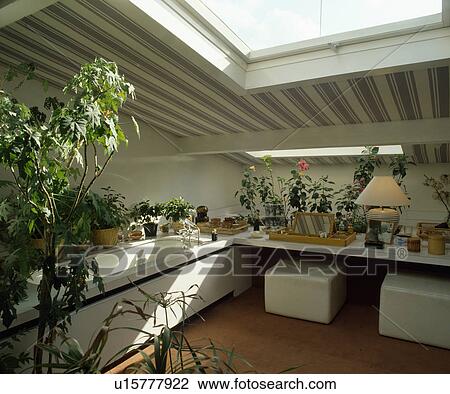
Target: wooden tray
<point x="293" y="237"/>
<point x="207" y="229"/>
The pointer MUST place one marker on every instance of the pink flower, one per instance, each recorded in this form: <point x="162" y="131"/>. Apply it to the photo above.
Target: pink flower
<point x="302" y="165"/>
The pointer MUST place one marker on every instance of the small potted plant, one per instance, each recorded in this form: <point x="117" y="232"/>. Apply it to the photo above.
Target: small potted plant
<point x="176" y="210"/>
<point x="108" y="215"/>
<point x="147" y="214"/>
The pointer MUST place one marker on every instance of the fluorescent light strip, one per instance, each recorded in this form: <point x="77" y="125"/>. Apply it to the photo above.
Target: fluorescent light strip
<point x="323" y="152"/>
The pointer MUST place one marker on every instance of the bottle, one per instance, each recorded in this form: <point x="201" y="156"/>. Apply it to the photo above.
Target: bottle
<point x="214" y="235"/>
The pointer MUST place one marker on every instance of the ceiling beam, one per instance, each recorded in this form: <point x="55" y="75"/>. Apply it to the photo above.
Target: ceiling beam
<point x="14" y="10"/>
<point x="426" y="131"/>
<point x="408" y="51"/>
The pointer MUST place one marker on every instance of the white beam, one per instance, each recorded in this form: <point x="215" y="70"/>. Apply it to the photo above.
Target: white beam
<point x="426" y="131"/>
<point x="396" y="53"/>
<point x="14" y="10"/>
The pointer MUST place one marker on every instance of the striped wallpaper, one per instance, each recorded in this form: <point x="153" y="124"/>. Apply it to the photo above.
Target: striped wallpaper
<point x="178" y="98"/>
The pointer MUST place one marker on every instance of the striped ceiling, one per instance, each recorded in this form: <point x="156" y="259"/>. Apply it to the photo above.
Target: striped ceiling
<point x="179" y="99"/>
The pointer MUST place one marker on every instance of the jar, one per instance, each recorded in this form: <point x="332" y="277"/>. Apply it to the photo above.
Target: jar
<point x="436" y="244"/>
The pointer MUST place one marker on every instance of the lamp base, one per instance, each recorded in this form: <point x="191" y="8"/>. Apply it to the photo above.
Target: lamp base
<point x="384" y="215"/>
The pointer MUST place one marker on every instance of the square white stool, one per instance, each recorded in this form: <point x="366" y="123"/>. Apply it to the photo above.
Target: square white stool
<point x="305" y="290"/>
<point x="416" y="307"/>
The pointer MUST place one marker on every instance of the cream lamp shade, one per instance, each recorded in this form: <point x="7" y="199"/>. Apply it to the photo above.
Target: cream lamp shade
<point x="383" y="191"/>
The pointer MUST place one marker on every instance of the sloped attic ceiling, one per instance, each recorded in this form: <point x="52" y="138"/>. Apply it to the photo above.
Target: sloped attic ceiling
<point x="178" y="98"/>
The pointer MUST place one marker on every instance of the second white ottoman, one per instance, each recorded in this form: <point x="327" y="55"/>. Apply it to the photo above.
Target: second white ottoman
<point x="305" y="290"/>
<point x="416" y="307"/>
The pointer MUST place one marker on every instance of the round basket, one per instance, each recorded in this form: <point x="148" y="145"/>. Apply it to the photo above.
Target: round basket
<point x="106" y="237"/>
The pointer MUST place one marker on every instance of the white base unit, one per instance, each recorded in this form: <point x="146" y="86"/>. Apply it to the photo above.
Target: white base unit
<point x="210" y="278"/>
<point x="416" y="307"/>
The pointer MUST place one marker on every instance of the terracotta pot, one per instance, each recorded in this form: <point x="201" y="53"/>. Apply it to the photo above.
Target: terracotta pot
<point x="106" y="237"/>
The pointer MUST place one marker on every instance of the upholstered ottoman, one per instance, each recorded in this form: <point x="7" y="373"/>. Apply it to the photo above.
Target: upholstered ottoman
<point x="305" y="290"/>
<point x="416" y="307"/>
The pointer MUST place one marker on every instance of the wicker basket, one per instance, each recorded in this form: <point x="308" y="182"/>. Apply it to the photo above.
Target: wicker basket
<point x="107" y="237"/>
<point x="424" y="229"/>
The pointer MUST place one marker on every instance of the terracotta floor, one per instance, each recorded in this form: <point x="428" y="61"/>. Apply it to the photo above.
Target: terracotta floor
<point x="350" y="344"/>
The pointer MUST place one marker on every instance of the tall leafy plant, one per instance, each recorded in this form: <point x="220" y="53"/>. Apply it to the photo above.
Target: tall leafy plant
<point x="321" y="192"/>
<point x="248" y="193"/>
<point x="298" y="187"/>
<point x="44" y="156"/>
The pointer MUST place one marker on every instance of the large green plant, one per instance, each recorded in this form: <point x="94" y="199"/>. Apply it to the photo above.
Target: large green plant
<point x="146" y="212"/>
<point x="248" y="193"/>
<point x="107" y="211"/>
<point x="172" y="351"/>
<point x="321" y="193"/>
<point x="177" y="209"/>
<point x="367" y="163"/>
<point x="299" y="185"/>
<point x="44" y="156"/>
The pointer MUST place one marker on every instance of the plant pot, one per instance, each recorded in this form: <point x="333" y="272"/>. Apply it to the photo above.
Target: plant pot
<point x="177" y="226"/>
<point x="106" y="237"/>
<point x="150" y="229"/>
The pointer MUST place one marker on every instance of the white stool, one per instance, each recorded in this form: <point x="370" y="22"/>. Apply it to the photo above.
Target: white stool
<point x="305" y="290"/>
<point x="416" y="307"/>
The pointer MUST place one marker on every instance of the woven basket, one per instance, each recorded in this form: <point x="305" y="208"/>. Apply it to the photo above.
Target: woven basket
<point x="107" y="237"/>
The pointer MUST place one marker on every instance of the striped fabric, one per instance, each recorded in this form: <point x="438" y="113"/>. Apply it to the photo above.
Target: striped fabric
<point x="180" y="99"/>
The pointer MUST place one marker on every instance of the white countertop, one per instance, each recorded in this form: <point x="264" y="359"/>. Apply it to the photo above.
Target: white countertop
<point x="137" y="260"/>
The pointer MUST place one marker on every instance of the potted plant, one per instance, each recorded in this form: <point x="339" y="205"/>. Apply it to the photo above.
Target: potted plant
<point x="145" y="213"/>
<point x="47" y="154"/>
<point x="108" y="215"/>
<point x="248" y="195"/>
<point x="322" y="193"/>
<point x="441" y="193"/>
<point x="298" y="186"/>
<point x="176" y="210"/>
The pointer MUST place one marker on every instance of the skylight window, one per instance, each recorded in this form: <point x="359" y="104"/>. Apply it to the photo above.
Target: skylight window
<point x="327" y="152"/>
<point x="266" y="23"/>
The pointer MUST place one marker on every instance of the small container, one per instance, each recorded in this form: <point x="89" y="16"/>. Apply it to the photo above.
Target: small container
<point x="414" y="244"/>
<point x="402" y="240"/>
<point x="436" y="244"/>
<point x="214" y="235"/>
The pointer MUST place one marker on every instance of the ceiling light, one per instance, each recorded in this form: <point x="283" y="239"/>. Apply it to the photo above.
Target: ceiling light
<point x="322" y="152"/>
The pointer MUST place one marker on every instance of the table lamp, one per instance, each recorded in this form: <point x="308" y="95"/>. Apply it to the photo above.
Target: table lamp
<point x="383" y="192"/>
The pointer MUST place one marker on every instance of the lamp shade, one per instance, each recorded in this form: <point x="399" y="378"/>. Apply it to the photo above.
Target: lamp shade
<point x="382" y="191"/>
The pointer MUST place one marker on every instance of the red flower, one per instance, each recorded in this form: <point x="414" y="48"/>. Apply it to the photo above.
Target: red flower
<point x="302" y="165"/>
